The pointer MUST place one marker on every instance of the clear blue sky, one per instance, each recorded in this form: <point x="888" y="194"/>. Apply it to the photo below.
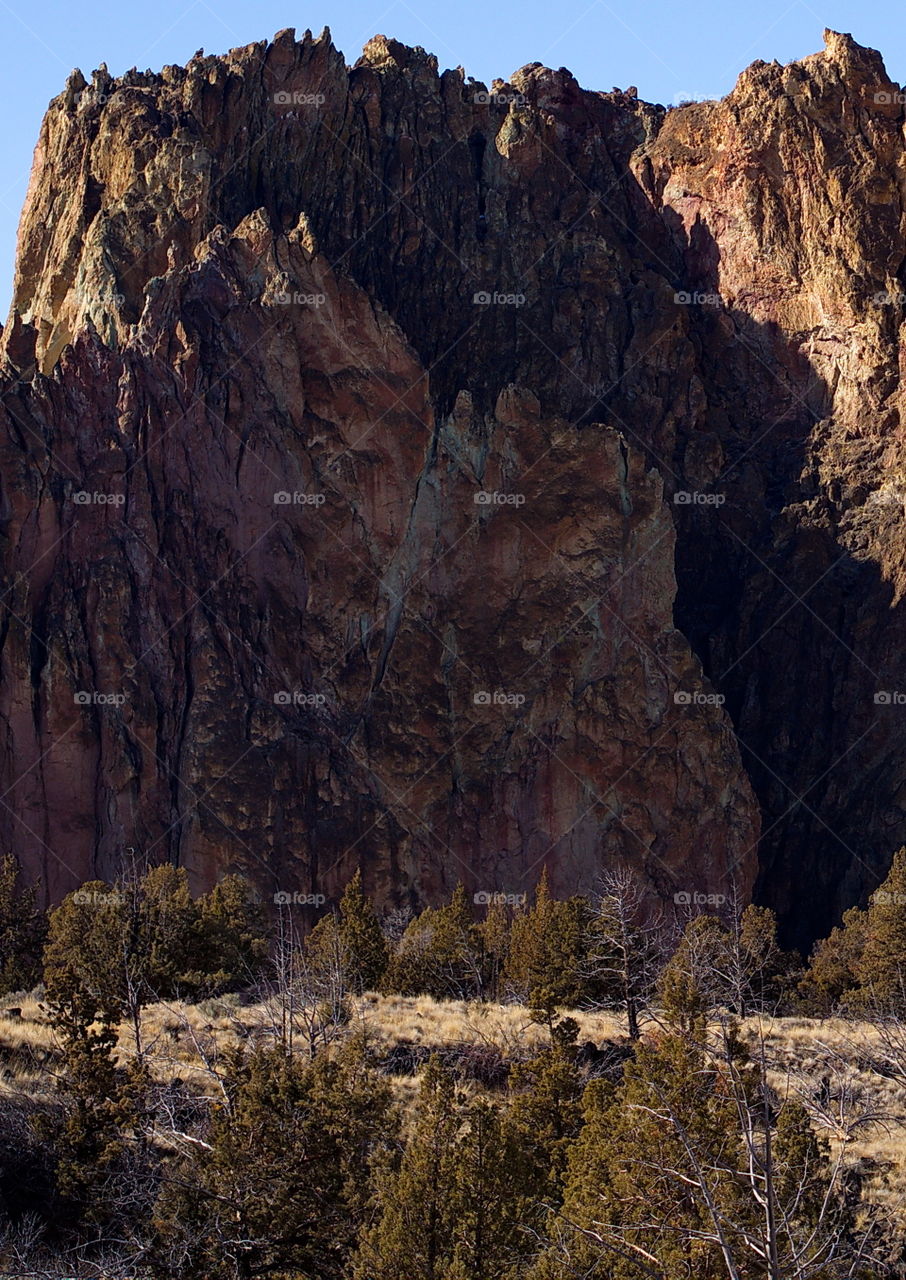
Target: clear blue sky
<point x="668" y="48"/>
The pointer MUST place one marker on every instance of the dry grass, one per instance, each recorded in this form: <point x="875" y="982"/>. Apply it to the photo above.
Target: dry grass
<point x="809" y="1058"/>
<point x="424" y="1021"/>
<point x="28" y="1046"/>
<point x="832" y="1064"/>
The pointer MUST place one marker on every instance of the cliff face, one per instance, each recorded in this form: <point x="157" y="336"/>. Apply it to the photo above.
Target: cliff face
<point x="452" y="481"/>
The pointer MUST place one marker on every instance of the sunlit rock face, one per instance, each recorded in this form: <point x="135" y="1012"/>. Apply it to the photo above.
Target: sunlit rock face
<point x="453" y="481"/>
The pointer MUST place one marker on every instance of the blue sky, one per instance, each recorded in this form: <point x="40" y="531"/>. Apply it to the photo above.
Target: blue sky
<point x="669" y="50"/>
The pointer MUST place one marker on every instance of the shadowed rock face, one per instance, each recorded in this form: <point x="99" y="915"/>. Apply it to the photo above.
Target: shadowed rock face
<point x="587" y="415"/>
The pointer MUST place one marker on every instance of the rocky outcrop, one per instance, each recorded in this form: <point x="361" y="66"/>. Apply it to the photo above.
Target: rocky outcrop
<point x="453" y="481"/>
<point x="786" y="200"/>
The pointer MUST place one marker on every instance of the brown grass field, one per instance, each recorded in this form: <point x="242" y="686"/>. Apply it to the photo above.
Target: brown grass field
<point x="830" y="1063"/>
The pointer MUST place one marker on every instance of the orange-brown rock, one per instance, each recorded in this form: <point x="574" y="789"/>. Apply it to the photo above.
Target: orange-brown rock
<point x="588" y="418"/>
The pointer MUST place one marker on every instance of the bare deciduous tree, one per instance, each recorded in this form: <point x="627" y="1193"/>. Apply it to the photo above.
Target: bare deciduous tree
<point x="748" y="1188"/>
<point x="305" y="998"/>
<point x="626" y="946"/>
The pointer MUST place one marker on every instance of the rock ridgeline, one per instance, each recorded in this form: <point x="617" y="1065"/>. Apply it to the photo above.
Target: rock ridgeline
<point x="447" y="480"/>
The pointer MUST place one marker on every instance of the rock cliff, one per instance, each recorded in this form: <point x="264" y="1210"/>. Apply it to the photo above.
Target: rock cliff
<point x="447" y="480"/>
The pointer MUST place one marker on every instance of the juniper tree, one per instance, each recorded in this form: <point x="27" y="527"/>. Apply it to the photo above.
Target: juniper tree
<point x="23" y="926"/>
<point x="544" y="1117"/>
<point x="232" y="929"/>
<point x="680" y="996"/>
<point x="84" y="995"/>
<point x="547" y="955"/>
<point x="832" y="975"/>
<point x="278" y="1185"/>
<point x="492" y="1209"/>
<point x="881" y="966"/>
<point x="765" y="973"/>
<point x="629" y="1200"/>
<point x="145" y="938"/>
<point x="493" y="938"/>
<point x="457" y="1205"/>
<point x="416" y="1201"/>
<point x="692" y="1167"/>
<point x="439" y="953"/>
<point x="354" y="937"/>
<point x="162" y="923"/>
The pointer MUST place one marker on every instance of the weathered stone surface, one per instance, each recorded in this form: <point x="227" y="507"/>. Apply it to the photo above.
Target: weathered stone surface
<point x="786" y="200"/>
<point x="383" y="671"/>
<point x="395" y="290"/>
